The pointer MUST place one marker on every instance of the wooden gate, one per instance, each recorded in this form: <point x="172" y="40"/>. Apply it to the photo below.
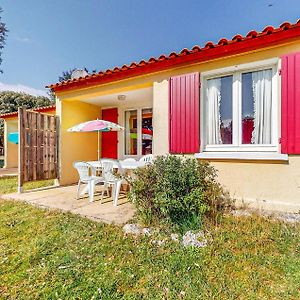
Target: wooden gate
<point x="38" y="147"/>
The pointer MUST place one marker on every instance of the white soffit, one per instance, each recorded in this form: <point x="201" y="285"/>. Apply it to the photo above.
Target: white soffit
<point x="132" y="97"/>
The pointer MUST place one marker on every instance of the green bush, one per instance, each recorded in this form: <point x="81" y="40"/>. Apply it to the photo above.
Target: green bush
<point x="177" y="190"/>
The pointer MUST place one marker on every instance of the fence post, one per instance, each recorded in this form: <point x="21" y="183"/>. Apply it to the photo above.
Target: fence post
<point x="57" y="144"/>
<point x="20" y="150"/>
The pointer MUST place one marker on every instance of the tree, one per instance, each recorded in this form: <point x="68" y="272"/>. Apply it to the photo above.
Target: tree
<point x="66" y="75"/>
<point x="3" y="34"/>
<point x="11" y="101"/>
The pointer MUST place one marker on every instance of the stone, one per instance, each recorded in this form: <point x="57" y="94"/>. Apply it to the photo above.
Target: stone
<point x="241" y="213"/>
<point x="174" y="237"/>
<point x="284" y="217"/>
<point x="191" y="239"/>
<point x="132" y="229"/>
<point x="159" y="243"/>
<point x="146" y="231"/>
<point x="136" y="229"/>
<point x="290" y="218"/>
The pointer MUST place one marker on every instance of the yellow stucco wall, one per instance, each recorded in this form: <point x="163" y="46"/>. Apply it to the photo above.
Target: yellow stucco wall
<point x="261" y="184"/>
<point x="10" y="149"/>
<point x="265" y="185"/>
<point x="75" y="145"/>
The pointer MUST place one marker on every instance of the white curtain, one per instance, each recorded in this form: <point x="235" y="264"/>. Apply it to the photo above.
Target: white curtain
<point x="213" y="111"/>
<point x="127" y="133"/>
<point x="262" y="93"/>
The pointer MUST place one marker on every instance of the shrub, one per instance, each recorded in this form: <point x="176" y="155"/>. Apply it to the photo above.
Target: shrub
<point x="178" y="190"/>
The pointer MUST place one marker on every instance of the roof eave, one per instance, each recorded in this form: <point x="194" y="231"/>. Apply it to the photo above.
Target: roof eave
<point x="38" y="109"/>
<point x="253" y="41"/>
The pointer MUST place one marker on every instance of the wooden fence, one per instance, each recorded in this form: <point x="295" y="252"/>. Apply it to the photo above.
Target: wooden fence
<point x="38" y="147"/>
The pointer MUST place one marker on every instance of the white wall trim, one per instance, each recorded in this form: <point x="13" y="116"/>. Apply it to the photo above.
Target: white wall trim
<point x="253" y="66"/>
<point x="139" y="110"/>
<point x="236" y="71"/>
<point x="243" y="156"/>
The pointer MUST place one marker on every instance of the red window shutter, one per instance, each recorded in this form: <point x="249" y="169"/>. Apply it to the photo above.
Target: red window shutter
<point x="290" y="104"/>
<point x="110" y="139"/>
<point x="184" y="113"/>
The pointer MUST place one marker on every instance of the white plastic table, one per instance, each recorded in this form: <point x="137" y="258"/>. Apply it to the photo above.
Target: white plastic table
<point x="126" y="165"/>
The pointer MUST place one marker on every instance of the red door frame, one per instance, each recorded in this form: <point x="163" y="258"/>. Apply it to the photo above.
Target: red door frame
<point x="110" y="139"/>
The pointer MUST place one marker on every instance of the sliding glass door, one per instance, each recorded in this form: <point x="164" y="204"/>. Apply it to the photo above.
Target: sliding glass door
<point x="138" y="132"/>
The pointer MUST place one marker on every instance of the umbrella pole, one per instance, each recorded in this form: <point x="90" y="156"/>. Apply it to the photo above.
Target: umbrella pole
<point x="98" y="151"/>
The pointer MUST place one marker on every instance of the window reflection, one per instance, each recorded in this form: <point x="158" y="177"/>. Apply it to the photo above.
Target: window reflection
<point x="131" y="132"/>
<point x="147" y="131"/>
<point x="226" y="110"/>
<point x="219" y="110"/>
<point x="257" y="107"/>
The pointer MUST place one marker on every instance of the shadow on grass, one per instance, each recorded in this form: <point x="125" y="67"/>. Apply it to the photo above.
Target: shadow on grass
<point x="9" y="184"/>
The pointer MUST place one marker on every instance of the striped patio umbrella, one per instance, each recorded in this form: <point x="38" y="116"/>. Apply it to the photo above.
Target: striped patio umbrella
<point x="96" y="125"/>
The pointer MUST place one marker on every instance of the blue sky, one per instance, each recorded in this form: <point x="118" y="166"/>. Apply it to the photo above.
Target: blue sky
<point x="49" y="36"/>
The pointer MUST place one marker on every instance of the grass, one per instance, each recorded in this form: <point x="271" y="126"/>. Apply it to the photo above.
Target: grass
<point x="9" y="184"/>
<point x="52" y="255"/>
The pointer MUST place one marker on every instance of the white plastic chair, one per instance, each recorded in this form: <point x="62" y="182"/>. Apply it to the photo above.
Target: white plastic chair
<point x="97" y="167"/>
<point x="87" y="175"/>
<point x="147" y="159"/>
<point x="110" y="179"/>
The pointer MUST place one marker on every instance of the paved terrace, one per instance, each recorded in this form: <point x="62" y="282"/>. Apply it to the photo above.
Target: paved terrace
<point x="64" y="199"/>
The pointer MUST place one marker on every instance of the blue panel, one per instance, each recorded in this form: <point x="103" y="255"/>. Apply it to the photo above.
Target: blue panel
<point x="13" y="137"/>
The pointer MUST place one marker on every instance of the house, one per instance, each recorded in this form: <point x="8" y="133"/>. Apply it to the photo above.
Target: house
<point x="235" y="103"/>
<point x="10" y="127"/>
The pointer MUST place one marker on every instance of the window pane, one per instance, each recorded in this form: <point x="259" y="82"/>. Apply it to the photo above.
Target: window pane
<point x="226" y="110"/>
<point x="147" y="131"/>
<point x="247" y="108"/>
<point x="131" y="132"/>
<point x="219" y="110"/>
<point x="257" y="107"/>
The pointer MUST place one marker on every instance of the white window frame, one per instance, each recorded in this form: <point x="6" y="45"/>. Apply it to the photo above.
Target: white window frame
<point x="236" y="72"/>
<point x="139" y="131"/>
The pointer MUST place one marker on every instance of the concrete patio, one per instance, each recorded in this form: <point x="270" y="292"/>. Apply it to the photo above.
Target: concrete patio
<point x="64" y="199"/>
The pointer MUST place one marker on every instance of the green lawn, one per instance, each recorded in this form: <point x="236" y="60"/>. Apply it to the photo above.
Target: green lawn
<point x="51" y="255"/>
<point x="9" y="184"/>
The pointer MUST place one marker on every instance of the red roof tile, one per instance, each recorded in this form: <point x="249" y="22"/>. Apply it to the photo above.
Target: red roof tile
<point x="238" y="44"/>
<point x="38" y="109"/>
